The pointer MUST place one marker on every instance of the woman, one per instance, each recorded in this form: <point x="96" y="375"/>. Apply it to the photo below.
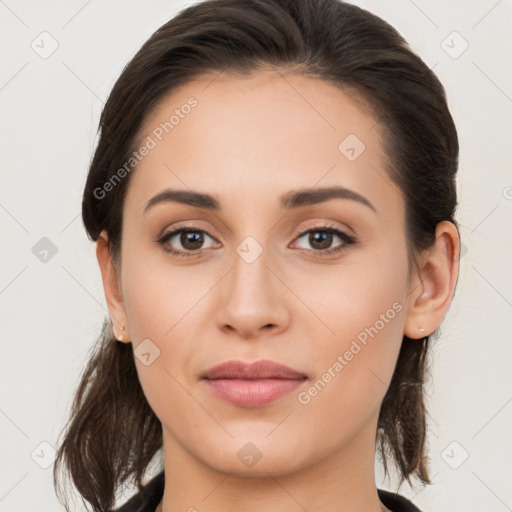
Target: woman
<point x="272" y="199"/>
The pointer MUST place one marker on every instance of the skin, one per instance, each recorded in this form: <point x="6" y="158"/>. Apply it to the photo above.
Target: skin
<point x="248" y="141"/>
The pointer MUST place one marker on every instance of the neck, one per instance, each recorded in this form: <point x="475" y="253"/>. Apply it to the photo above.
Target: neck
<point x="344" y="480"/>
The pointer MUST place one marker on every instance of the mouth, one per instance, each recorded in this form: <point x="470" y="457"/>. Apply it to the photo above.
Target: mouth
<point x="252" y="385"/>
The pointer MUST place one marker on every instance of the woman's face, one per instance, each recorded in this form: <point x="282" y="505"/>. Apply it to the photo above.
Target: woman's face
<point x="268" y="277"/>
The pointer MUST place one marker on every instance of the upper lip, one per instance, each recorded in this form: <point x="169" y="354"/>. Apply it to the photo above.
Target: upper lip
<point x="263" y="369"/>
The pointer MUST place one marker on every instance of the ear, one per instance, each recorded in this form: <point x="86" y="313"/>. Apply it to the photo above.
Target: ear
<point x="112" y="288"/>
<point x="433" y="284"/>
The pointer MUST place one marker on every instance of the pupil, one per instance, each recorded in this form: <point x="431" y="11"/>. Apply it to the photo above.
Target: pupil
<point x="321" y="236"/>
<point x="193" y="238"/>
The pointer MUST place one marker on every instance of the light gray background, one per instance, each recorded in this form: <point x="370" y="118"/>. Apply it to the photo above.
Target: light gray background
<point x="52" y="311"/>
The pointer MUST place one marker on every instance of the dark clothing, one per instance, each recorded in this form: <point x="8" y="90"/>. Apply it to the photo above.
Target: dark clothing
<point x="148" y="499"/>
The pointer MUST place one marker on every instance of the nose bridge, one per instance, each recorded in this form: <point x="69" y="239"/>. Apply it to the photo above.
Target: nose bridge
<point x="250" y="274"/>
<point x="251" y="300"/>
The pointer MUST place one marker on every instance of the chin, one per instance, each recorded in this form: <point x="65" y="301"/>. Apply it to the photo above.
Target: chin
<point x="257" y="458"/>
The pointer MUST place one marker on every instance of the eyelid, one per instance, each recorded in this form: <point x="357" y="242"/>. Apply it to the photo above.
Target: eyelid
<point x="346" y="238"/>
<point x="167" y="234"/>
<point x="324" y="225"/>
<point x="192" y="227"/>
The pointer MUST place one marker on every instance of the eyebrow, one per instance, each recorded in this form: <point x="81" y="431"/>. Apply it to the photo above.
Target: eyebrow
<point x="291" y="200"/>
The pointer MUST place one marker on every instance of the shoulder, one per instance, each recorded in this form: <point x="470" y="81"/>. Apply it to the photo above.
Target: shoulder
<point x="147" y="499"/>
<point x="396" y="502"/>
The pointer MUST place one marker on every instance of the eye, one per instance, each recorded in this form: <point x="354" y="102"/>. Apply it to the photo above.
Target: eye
<point x="190" y="238"/>
<point x="322" y="237"/>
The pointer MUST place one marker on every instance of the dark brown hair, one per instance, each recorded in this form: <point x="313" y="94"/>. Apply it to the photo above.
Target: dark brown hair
<point x="112" y="433"/>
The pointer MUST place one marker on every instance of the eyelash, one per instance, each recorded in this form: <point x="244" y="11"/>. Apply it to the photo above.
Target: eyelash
<point x="348" y="240"/>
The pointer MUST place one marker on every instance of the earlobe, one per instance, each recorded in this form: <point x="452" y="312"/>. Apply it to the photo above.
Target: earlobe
<point x="111" y="287"/>
<point x="432" y="288"/>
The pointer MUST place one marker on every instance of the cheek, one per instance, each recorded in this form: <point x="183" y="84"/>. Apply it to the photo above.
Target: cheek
<point x="157" y="294"/>
<point x="160" y="330"/>
<point x="341" y="301"/>
<point x="159" y="304"/>
<point x="361" y="315"/>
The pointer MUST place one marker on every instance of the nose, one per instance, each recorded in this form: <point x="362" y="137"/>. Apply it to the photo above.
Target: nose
<point x="253" y="301"/>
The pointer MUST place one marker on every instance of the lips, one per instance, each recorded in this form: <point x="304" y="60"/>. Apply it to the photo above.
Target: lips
<point x="263" y="369"/>
<point x="252" y="385"/>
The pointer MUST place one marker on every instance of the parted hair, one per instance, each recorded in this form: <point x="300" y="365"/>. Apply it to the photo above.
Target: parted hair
<point x="112" y="433"/>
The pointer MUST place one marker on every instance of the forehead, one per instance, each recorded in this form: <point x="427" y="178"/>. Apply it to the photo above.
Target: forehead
<point x="258" y="136"/>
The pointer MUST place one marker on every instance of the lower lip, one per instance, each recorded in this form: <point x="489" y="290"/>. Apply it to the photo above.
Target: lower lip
<point x="252" y="393"/>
